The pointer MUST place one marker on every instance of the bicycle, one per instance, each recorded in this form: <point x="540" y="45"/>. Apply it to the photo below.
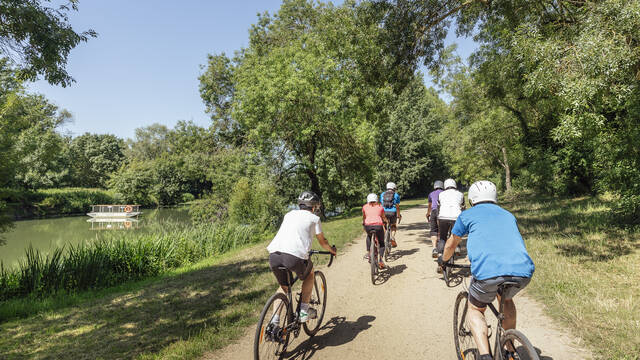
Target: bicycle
<point x="387" y="242"/>
<point x="375" y="257"/>
<point x="463" y="338"/>
<point x="271" y="339"/>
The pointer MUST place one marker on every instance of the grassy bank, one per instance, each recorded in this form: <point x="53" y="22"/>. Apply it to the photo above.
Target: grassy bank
<point x="118" y="258"/>
<point x="25" y="204"/>
<point x="180" y="314"/>
<point x="586" y="270"/>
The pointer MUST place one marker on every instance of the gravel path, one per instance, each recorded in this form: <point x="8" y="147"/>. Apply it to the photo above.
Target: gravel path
<point x="408" y="315"/>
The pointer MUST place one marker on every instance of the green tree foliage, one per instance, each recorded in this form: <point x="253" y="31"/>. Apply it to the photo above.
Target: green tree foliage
<point x="93" y="158"/>
<point x="408" y="144"/>
<point x="566" y="70"/>
<point x="39" y="38"/>
<point x="298" y="93"/>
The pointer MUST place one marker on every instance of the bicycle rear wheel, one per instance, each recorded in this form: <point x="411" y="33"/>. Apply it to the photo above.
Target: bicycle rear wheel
<point x="373" y="259"/>
<point x="387" y="245"/>
<point x="318" y="301"/>
<point x="520" y="343"/>
<point x="271" y="340"/>
<point x="462" y="337"/>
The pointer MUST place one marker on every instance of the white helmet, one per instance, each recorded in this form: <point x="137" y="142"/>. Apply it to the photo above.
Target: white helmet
<point x="438" y="184"/>
<point x="391" y="186"/>
<point x="450" y="183"/>
<point x="372" y="198"/>
<point x="483" y="190"/>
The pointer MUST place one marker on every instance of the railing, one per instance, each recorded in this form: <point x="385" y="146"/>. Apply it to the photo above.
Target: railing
<point x="115" y="208"/>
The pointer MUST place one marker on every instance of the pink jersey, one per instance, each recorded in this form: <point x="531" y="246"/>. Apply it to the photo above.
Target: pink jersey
<point x="373" y="214"/>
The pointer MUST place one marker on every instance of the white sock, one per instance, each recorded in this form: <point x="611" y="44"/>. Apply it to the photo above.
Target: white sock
<point x="304" y="307"/>
<point x="275" y="319"/>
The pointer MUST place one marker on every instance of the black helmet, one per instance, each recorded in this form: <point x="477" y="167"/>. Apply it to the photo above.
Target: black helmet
<point x="308" y="198"/>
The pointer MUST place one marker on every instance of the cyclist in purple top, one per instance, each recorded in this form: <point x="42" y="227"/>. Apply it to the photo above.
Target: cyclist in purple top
<point x="432" y="213"/>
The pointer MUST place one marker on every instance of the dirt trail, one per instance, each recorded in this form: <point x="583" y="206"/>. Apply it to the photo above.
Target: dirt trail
<point x="408" y="316"/>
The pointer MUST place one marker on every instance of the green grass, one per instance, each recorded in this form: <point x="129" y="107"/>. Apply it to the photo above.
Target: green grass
<point x="586" y="270"/>
<point x="120" y="258"/>
<point x="180" y="314"/>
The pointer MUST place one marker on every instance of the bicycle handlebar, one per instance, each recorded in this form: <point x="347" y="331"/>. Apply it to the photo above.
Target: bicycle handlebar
<point x="457" y="266"/>
<point x="313" y="252"/>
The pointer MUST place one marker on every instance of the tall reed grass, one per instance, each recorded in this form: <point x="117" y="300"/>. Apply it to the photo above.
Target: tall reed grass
<point x="120" y="257"/>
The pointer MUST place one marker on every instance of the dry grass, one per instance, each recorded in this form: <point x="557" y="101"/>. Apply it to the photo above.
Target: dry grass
<point x="586" y="270"/>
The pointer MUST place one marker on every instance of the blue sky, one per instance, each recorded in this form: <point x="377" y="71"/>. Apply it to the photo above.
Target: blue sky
<point x="144" y="65"/>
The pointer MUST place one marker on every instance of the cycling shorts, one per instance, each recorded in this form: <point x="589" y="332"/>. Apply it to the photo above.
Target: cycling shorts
<point x="433" y="223"/>
<point x="379" y="234"/>
<point x="392" y="216"/>
<point x="482" y="292"/>
<point x="300" y="267"/>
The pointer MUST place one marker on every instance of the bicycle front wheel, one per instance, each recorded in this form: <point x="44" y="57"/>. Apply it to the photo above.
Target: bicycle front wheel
<point x="271" y="339"/>
<point x="514" y="339"/>
<point x="462" y="337"/>
<point x="318" y="301"/>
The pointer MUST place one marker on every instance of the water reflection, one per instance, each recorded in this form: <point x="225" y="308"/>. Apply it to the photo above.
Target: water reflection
<point x="47" y="234"/>
<point x="113" y="224"/>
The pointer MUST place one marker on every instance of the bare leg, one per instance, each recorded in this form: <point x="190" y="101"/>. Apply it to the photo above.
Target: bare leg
<point x="307" y="286"/>
<point x="509" y="322"/>
<point x="478" y="325"/>
<point x="434" y="241"/>
<point x="278" y="302"/>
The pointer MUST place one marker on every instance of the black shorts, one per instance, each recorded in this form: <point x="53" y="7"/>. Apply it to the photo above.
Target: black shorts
<point x="444" y="227"/>
<point x="379" y="234"/>
<point x="299" y="266"/>
<point x="433" y="223"/>
<point x="391" y="216"/>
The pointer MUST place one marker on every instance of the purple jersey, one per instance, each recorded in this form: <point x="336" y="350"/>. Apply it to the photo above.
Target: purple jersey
<point x="433" y="198"/>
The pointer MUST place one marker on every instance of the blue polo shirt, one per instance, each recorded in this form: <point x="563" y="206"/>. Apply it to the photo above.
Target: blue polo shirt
<point x="396" y="200"/>
<point x="495" y="246"/>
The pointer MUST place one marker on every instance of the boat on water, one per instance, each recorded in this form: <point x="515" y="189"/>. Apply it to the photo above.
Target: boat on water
<point x="115" y="211"/>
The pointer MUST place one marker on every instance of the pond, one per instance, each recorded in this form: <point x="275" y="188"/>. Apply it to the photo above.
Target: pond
<point x="47" y="234"/>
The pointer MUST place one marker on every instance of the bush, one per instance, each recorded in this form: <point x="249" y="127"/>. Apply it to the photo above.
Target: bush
<point x="66" y="201"/>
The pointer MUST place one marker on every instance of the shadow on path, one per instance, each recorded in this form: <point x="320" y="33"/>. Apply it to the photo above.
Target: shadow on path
<point x="340" y="332"/>
<point x="390" y="271"/>
<point x="397" y="254"/>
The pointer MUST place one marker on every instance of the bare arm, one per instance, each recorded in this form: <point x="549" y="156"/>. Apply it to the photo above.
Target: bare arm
<point x="429" y="210"/>
<point x="450" y="246"/>
<point x="325" y="244"/>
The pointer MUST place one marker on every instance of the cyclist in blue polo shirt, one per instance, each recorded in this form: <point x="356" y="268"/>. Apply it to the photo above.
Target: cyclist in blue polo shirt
<point x="497" y="254"/>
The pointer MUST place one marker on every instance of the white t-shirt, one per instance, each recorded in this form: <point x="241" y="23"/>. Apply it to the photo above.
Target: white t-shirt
<point x="296" y="234"/>
<point x="451" y="202"/>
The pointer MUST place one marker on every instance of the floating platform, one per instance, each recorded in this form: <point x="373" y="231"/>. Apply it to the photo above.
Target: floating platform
<point x="115" y="211"/>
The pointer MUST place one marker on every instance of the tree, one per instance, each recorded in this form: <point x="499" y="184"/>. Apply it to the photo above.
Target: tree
<point x="150" y="142"/>
<point x="298" y="91"/>
<point x="407" y="144"/>
<point x="93" y="158"/>
<point x="39" y="38"/>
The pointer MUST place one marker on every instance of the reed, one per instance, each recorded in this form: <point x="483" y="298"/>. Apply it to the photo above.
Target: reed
<point x="120" y="257"/>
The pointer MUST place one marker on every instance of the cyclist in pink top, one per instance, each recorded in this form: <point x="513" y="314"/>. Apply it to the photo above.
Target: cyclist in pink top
<point x="372" y="219"/>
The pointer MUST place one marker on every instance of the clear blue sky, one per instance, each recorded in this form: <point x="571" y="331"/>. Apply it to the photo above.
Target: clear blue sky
<point x="144" y="65"/>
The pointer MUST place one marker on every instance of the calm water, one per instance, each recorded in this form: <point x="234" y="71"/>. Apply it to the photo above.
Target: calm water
<point x="48" y="234"/>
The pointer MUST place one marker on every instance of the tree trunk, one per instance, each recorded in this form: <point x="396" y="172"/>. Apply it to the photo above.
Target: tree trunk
<point x="507" y="171"/>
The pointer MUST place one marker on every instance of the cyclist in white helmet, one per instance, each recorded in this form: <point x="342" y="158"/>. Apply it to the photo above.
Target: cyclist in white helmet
<point x="450" y="205"/>
<point x="390" y="200"/>
<point x="497" y="254"/>
<point x="372" y="219"/>
<point x="290" y="249"/>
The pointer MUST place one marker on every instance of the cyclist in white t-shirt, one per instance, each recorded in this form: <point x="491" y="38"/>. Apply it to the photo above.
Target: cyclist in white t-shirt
<point x="290" y="248"/>
<point x="450" y="205"/>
